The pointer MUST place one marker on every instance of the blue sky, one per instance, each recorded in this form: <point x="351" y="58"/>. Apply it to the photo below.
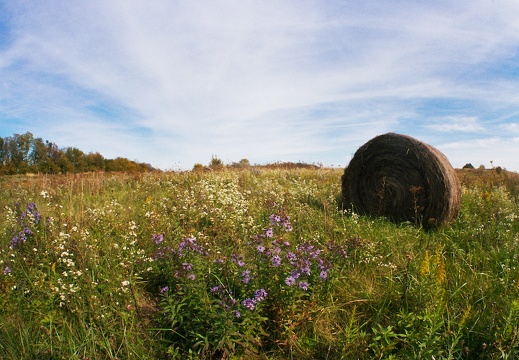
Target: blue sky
<point x="173" y="83"/>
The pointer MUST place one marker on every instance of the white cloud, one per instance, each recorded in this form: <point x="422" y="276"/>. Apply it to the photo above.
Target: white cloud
<point x="456" y="124"/>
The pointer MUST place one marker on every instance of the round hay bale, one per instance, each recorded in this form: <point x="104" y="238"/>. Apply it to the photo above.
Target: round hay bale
<point x="403" y="179"/>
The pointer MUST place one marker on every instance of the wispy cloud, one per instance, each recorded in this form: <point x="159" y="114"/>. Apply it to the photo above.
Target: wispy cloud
<point x="468" y="124"/>
<point x="176" y="82"/>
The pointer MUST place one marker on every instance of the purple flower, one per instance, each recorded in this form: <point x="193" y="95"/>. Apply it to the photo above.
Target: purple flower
<point x="191" y="276"/>
<point x="216" y="289"/>
<point x="187" y="266"/>
<point x="274" y="219"/>
<point x="164" y="289"/>
<point x="305" y="270"/>
<point x="240" y="263"/>
<point x="249" y="303"/>
<point x="7" y="270"/>
<point x="14" y="242"/>
<point x="296" y="274"/>
<point x="261" y="248"/>
<point x="276" y="260"/>
<point x="245" y="276"/>
<point x="158" y="238"/>
<point x="303" y="285"/>
<point x="260" y="295"/>
<point x="323" y="274"/>
<point x="269" y="232"/>
<point x="291" y="256"/>
<point x="237" y="314"/>
<point x="290" y="281"/>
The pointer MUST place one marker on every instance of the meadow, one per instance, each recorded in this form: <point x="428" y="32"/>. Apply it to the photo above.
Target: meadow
<point x="255" y="264"/>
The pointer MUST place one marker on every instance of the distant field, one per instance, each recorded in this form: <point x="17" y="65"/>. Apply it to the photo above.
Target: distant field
<point x="253" y="264"/>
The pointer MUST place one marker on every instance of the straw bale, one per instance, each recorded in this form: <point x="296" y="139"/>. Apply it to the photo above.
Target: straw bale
<point x="402" y="178"/>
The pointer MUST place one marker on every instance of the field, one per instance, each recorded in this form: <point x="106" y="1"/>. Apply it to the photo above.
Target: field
<point x="256" y="264"/>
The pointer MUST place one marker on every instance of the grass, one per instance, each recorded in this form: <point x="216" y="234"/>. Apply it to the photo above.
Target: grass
<point x="250" y="264"/>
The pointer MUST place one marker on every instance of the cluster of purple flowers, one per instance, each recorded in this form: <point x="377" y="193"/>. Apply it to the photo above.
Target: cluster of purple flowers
<point x="300" y="263"/>
<point x="226" y="299"/>
<point x="250" y="303"/>
<point x="27" y="219"/>
<point x="280" y="221"/>
<point x="190" y="244"/>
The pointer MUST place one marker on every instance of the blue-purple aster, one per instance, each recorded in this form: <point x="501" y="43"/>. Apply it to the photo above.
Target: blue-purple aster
<point x="290" y="281"/>
<point x="303" y="285"/>
<point x="260" y="295"/>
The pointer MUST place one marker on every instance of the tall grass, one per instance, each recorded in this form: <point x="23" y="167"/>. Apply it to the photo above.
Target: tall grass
<point x="250" y="264"/>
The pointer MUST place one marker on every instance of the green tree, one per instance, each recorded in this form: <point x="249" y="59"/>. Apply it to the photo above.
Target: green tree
<point x="95" y="162"/>
<point x="77" y="158"/>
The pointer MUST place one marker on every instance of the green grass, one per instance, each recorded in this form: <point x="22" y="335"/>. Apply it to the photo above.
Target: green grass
<point x="176" y="266"/>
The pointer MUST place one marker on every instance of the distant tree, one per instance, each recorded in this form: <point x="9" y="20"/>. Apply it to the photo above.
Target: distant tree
<point x="65" y="164"/>
<point x="95" y="162"/>
<point x="39" y="160"/>
<point x="22" y="153"/>
<point x="198" y="167"/>
<point x="19" y="147"/>
<point x="77" y="158"/>
<point x="243" y="163"/>
<point x="216" y="163"/>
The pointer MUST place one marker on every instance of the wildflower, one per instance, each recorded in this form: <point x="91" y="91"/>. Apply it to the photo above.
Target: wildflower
<point x="7" y="270"/>
<point x="274" y="219"/>
<point x="237" y="314"/>
<point x="290" y="281"/>
<point x="260" y="295"/>
<point x="245" y="276"/>
<point x="125" y="283"/>
<point x="158" y="238"/>
<point x="303" y="285"/>
<point x="305" y="270"/>
<point x="191" y="277"/>
<point x="323" y="274"/>
<point x="276" y="261"/>
<point x="260" y="248"/>
<point x="269" y="232"/>
<point x="296" y="274"/>
<point x="14" y="242"/>
<point x="187" y="266"/>
<point x="249" y="303"/>
<point x="215" y="289"/>
<point x="291" y="256"/>
<point x="164" y="289"/>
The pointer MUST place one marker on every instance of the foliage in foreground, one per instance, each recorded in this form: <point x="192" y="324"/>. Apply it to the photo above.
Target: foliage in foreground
<point x="249" y="264"/>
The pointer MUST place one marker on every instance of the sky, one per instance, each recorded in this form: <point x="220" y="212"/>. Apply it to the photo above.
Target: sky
<point x="174" y="83"/>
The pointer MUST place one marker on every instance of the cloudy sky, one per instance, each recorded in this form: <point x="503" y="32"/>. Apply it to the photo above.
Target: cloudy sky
<point x="173" y="83"/>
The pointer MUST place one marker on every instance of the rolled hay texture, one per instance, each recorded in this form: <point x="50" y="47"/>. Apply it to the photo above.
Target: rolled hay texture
<point x="402" y="178"/>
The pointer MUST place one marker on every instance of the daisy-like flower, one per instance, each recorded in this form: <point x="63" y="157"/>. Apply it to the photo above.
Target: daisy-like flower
<point x="290" y="281"/>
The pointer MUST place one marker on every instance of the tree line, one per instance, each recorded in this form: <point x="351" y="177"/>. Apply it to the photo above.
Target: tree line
<point x="23" y="153"/>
